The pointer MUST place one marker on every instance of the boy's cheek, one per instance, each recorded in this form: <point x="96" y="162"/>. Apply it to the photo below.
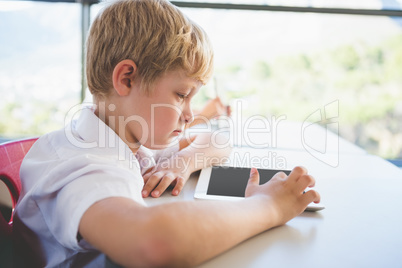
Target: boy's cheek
<point x="167" y="117"/>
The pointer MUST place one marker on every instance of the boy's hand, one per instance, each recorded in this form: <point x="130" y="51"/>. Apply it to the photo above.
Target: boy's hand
<point x="284" y="195"/>
<point x="160" y="177"/>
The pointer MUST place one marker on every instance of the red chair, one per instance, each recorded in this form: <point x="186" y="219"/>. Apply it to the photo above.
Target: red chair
<point x="11" y="155"/>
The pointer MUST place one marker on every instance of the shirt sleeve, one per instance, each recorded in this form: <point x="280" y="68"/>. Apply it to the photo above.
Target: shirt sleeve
<point x="92" y="180"/>
<point x="148" y="158"/>
<point x="159" y="155"/>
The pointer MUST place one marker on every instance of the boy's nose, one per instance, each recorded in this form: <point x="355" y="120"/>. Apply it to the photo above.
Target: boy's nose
<point x="187" y="117"/>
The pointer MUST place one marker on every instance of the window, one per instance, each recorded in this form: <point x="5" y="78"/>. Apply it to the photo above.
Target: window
<point x="292" y="64"/>
<point x="40" y="66"/>
<point x="347" y="4"/>
<point x="279" y="63"/>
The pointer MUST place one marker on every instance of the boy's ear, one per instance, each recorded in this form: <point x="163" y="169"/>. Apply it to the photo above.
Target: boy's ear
<point x="123" y="76"/>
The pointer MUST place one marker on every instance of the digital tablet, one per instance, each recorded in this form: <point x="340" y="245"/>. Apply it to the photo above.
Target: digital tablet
<point x="229" y="183"/>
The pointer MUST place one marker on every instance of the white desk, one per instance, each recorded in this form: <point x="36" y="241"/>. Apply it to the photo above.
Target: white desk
<point x="360" y="227"/>
<point x="288" y="135"/>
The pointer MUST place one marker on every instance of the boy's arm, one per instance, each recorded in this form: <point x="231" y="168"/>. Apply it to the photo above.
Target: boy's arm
<point x="204" y="150"/>
<point x="196" y="152"/>
<point x="184" y="234"/>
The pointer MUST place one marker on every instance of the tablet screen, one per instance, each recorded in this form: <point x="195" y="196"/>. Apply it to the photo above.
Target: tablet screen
<point x="232" y="181"/>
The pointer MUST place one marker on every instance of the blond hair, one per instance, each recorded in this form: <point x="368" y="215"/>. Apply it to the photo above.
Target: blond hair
<point x="154" y="34"/>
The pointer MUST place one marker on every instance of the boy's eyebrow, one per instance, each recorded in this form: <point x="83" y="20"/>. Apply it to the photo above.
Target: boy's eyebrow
<point x="189" y="87"/>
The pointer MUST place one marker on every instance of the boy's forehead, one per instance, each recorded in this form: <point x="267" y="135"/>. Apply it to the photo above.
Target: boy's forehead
<point x="180" y="77"/>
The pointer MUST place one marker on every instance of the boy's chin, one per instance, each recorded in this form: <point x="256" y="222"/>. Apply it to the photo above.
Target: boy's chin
<point x="162" y="145"/>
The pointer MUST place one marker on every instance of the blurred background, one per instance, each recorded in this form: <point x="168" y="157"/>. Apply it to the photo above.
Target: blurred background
<point x="282" y="62"/>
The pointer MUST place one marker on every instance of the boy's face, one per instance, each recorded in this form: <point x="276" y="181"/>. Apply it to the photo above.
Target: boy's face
<point x="162" y="115"/>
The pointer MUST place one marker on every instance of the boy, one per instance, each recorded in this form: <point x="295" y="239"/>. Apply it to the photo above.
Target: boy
<point x="83" y="192"/>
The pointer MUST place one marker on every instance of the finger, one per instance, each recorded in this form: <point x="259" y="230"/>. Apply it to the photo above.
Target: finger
<point x="253" y="182"/>
<point x="163" y="185"/>
<point x="280" y="175"/>
<point x="228" y="110"/>
<point x="254" y="178"/>
<point x="148" y="171"/>
<point x="148" y="174"/>
<point x="305" y="181"/>
<point x="179" y="186"/>
<point x="146" y="177"/>
<point x="296" y="173"/>
<point x="151" y="183"/>
<point x="311" y="196"/>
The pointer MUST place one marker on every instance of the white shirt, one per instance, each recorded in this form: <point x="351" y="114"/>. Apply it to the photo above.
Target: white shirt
<point x="63" y="174"/>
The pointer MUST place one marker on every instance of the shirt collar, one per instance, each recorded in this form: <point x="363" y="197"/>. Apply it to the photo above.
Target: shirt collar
<point x="94" y="131"/>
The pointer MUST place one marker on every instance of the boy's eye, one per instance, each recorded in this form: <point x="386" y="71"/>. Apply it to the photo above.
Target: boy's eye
<point x="181" y="96"/>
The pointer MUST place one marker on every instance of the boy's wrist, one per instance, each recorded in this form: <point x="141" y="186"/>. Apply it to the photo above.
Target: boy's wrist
<point x="267" y="215"/>
<point x="182" y="164"/>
